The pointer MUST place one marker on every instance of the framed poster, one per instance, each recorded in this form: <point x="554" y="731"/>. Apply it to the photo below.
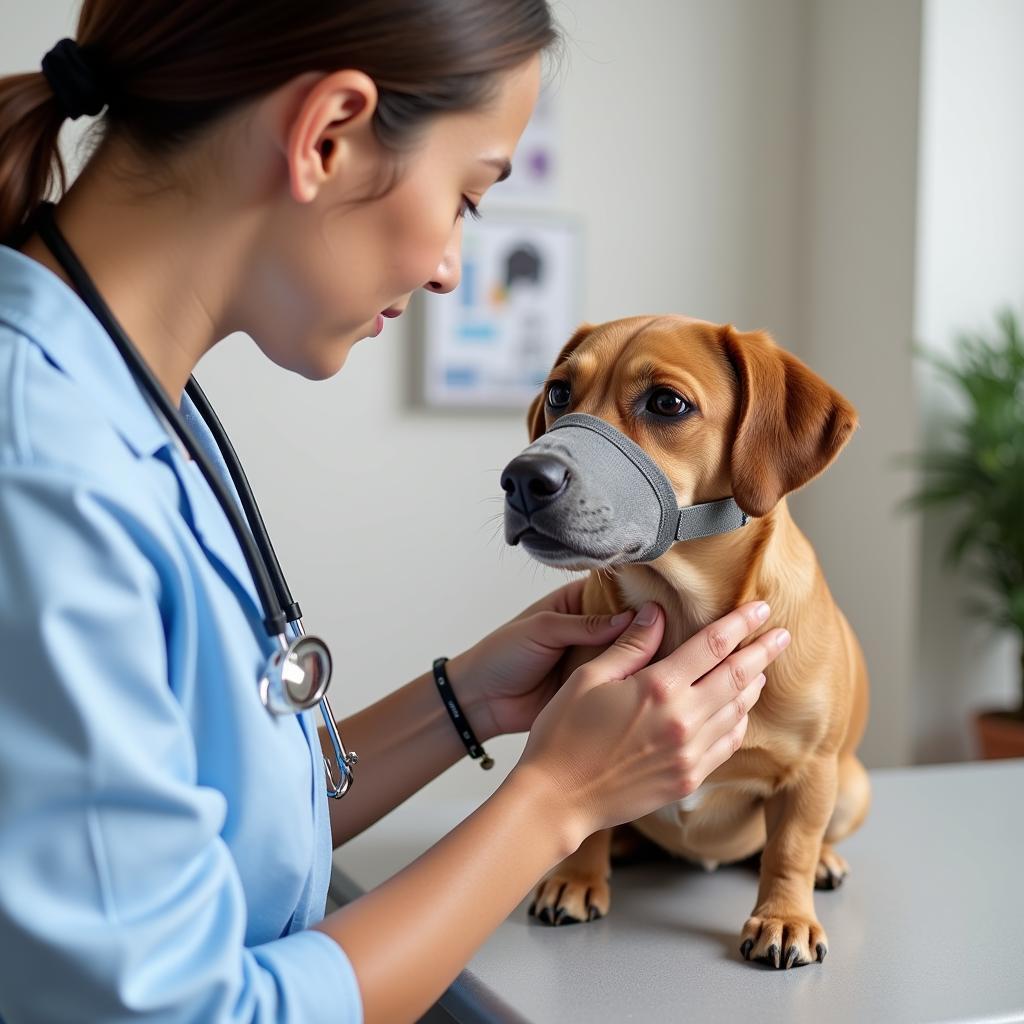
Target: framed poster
<point x="491" y="342"/>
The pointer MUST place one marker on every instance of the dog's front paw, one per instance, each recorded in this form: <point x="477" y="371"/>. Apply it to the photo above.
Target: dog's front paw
<point x="570" y="898"/>
<point x="785" y="941"/>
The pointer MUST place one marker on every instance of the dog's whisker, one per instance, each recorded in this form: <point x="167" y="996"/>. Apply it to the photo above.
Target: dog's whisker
<point x="491" y="520"/>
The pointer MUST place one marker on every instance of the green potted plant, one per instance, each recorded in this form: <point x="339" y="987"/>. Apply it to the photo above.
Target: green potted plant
<point x="981" y="475"/>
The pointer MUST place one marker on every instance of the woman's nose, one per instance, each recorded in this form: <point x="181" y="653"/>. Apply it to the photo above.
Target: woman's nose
<point x="449" y="271"/>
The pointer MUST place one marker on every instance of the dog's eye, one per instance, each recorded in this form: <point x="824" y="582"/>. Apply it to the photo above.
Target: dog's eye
<point x="558" y="394"/>
<point x="665" y="402"/>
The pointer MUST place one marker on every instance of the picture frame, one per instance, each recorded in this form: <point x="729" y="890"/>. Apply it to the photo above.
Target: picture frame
<point x="489" y="344"/>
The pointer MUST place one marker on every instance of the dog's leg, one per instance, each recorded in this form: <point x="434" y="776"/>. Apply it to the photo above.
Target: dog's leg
<point x="783" y="929"/>
<point x="851" y="807"/>
<point x="852" y="799"/>
<point x="577" y="889"/>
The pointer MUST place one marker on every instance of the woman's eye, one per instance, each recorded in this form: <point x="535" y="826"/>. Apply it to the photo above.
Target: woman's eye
<point x="468" y="206"/>
<point x="666" y="402"/>
<point x="558" y="394"/>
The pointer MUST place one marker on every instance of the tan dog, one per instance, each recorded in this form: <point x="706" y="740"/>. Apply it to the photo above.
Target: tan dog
<point x="729" y="413"/>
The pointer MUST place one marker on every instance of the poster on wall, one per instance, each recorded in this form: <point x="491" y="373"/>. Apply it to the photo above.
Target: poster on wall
<point x="535" y="167"/>
<point x="491" y="342"/>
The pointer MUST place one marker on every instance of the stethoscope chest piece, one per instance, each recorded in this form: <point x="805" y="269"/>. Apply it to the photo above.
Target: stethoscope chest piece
<point x="296" y="676"/>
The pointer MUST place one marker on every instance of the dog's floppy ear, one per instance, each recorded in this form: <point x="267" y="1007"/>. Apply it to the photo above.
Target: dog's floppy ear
<point x="535" y="415"/>
<point x="790" y="426"/>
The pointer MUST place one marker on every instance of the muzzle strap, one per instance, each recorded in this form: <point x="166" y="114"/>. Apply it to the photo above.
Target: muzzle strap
<point x="710" y="519"/>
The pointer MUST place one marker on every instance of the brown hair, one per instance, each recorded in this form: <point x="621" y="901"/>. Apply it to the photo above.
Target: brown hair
<point x="172" y="67"/>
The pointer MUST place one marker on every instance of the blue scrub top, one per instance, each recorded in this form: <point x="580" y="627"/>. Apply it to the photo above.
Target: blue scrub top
<point x="164" y="840"/>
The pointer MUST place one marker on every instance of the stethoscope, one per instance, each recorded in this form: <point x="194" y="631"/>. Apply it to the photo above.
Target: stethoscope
<point x="298" y="673"/>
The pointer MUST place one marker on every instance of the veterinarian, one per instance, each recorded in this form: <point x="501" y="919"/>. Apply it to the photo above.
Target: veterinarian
<point x="294" y="171"/>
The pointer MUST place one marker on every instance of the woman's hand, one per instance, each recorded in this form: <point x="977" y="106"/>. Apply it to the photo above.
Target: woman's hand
<point x="623" y="737"/>
<point x="504" y="680"/>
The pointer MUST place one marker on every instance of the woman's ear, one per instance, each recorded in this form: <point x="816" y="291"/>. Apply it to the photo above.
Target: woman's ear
<point x="535" y="422"/>
<point x="790" y="424"/>
<point x="328" y="119"/>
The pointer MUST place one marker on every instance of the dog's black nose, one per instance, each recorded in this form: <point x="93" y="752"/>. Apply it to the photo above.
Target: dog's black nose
<point x="533" y="480"/>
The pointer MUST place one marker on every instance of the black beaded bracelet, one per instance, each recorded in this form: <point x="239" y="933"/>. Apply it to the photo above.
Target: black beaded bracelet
<point x="459" y="720"/>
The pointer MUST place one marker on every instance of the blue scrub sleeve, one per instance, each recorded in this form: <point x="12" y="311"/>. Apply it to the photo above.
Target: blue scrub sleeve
<point x="119" y="900"/>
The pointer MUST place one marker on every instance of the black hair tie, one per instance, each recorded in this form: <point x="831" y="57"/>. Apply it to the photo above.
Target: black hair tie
<point x="74" y="80"/>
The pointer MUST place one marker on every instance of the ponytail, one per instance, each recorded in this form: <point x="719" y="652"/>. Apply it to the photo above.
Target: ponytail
<point x="31" y="168"/>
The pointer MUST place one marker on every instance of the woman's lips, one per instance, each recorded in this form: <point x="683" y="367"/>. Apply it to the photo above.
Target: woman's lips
<point x="378" y="324"/>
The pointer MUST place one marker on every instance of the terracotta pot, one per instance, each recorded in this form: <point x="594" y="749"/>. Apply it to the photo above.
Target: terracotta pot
<point x="1000" y="734"/>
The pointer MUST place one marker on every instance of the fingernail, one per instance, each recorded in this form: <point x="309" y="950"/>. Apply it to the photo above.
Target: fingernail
<point x="762" y="611"/>
<point x="782" y="639"/>
<point x="760" y="680"/>
<point x="647" y="614"/>
<point x="622" y="618"/>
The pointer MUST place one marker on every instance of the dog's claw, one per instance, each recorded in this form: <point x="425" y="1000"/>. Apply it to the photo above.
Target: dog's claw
<point x="746" y="948"/>
<point x="791" y="956"/>
<point x="555" y="916"/>
<point x="775" y="954"/>
<point x="831" y="870"/>
<point x="566" y="901"/>
<point x="821" y="950"/>
<point x="830" y="881"/>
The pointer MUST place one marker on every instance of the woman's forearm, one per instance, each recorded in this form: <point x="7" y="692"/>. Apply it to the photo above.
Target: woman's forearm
<point x="403" y="741"/>
<point x="409" y="938"/>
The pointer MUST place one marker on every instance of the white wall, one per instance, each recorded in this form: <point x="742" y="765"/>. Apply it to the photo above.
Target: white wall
<point x="856" y="260"/>
<point x="971" y="262"/>
<point x="680" y="132"/>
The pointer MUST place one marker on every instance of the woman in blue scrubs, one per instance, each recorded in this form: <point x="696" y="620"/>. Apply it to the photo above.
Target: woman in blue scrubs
<point x="294" y="171"/>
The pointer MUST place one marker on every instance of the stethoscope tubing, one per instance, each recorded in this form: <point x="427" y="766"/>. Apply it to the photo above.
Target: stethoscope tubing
<point x="289" y="607"/>
<point x="336" y="788"/>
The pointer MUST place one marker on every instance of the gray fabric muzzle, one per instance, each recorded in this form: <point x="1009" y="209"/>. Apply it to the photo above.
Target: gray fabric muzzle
<point x="614" y="502"/>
